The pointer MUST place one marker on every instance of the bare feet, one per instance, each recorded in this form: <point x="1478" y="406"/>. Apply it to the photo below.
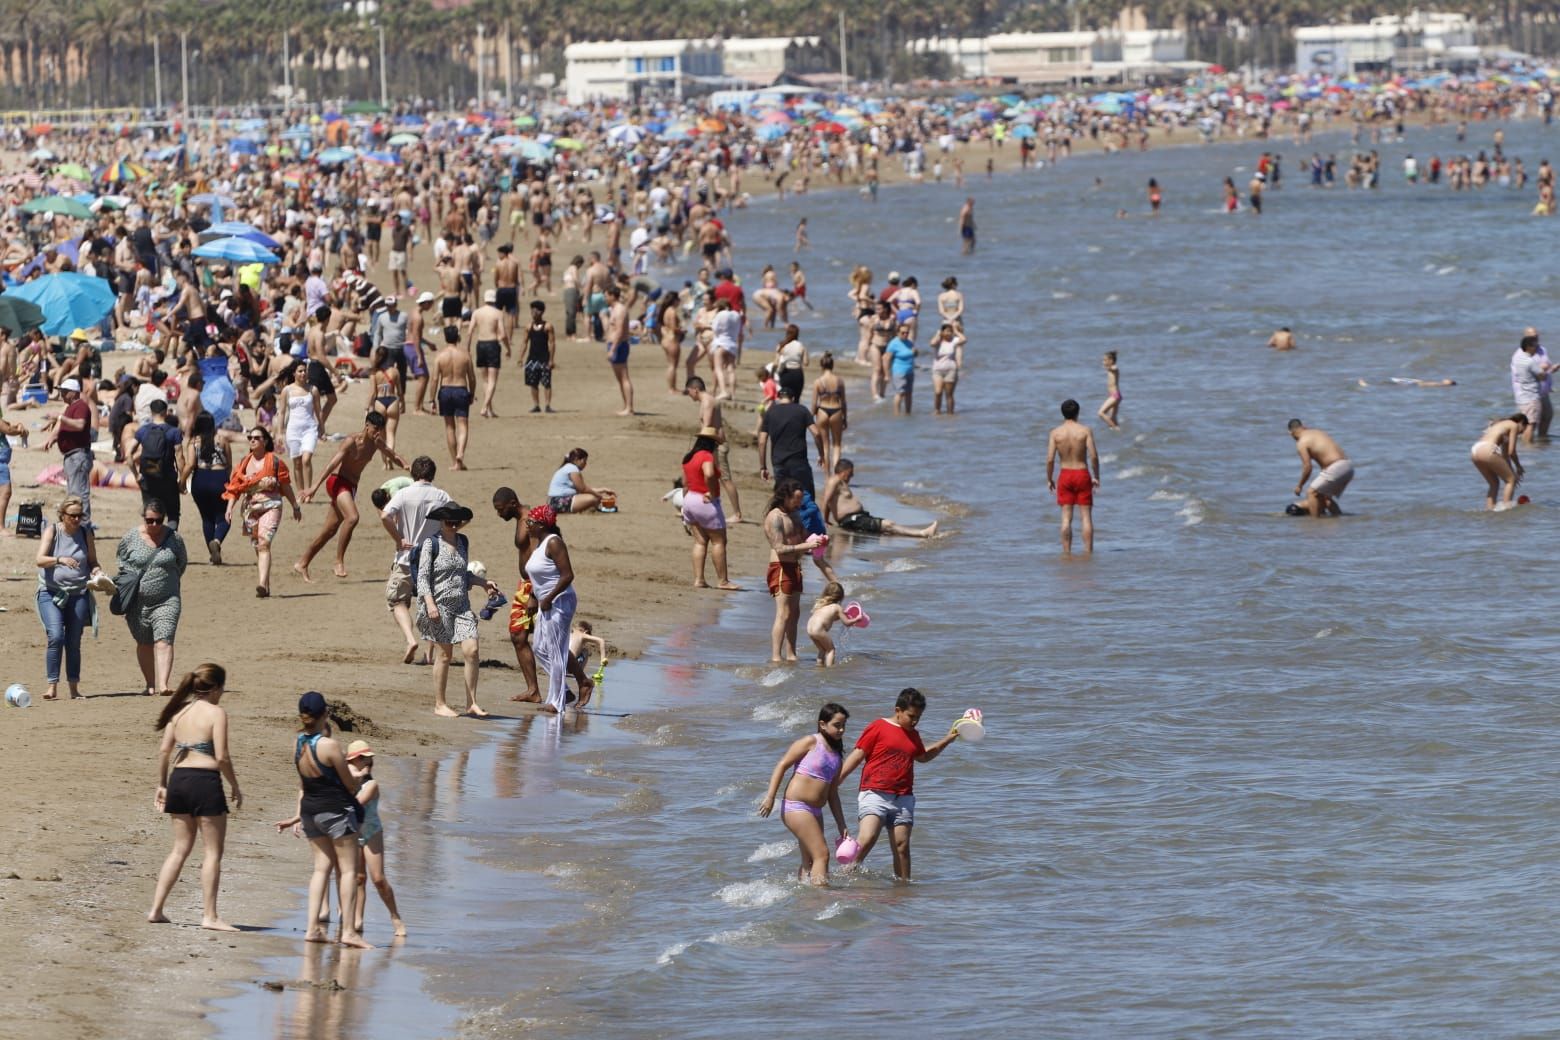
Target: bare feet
<point x="475" y="712"/>
<point x="261" y="592"/>
<point x="734" y="519"/>
<point x="400" y="928"/>
<point x="316" y="935"/>
<point x="157" y="919"/>
<point x="411" y="654"/>
<point x="625" y="412"/>
<point x="53" y="694"/>
<point x="549" y="709"/>
<point x="586" y="689"/>
<point x="727" y="586"/>
<point x="459" y="464"/>
<point x="340" y="571"/>
<point x="701" y="584"/>
<point x="302" y="570"/>
<point x="445" y="711"/>
<point x="216" y="924"/>
<point x="528" y="698"/>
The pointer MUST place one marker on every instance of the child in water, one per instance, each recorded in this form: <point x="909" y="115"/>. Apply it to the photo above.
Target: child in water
<point x="826" y="611"/>
<point x="371" y="858"/>
<point x="817" y="759"/>
<point x="579" y="636"/>
<point x="1112" y="403"/>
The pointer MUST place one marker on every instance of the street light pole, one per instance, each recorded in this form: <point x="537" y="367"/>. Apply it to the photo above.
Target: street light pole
<point x="157" y="70"/>
<point x="384" y="92"/>
<point x="286" y="69"/>
<point x="481" y="64"/>
<point x="184" y="68"/>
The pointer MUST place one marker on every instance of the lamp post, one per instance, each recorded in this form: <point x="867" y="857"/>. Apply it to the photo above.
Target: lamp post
<point x="384" y="92"/>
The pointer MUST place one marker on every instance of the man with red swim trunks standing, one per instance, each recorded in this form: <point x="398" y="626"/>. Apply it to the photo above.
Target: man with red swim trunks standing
<point x="341" y="480"/>
<point x="1073" y="443"/>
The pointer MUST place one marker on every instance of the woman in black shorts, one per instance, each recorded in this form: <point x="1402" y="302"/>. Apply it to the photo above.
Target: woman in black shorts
<point x="195" y="744"/>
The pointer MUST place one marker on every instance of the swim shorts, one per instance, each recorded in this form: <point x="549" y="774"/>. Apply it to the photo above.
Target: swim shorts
<point x="319" y="378"/>
<point x="520" y="616"/>
<point x="332" y="825"/>
<point x="618" y="355"/>
<point x="397" y="260"/>
<point x="862" y="523"/>
<point x="488" y="354"/>
<point x="1532" y="408"/>
<point x="454" y="402"/>
<point x="335" y="484"/>
<point x="1330" y="482"/>
<point x="785" y="578"/>
<point x="538" y="373"/>
<point x="450" y="307"/>
<point x="414" y="362"/>
<point x="1074" y="487"/>
<point x="895" y="810"/>
<point x="507" y="299"/>
<point x="905" y="383"/>
<point x="195" y="792"/>
<point x="561" y="503"/>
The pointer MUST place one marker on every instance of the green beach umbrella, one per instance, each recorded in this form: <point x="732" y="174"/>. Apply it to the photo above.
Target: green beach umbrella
<point x="75" y="171"/>
<point x="57" y="204"/>
<point x="19" y="316"/>
<point x="568" y="144"/>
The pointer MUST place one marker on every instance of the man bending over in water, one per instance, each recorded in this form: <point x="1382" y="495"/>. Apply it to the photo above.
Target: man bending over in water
<point x="842" y="507"/>
<point x="1073" y="443"/>
<point x="341" y="479"/>
<point x="1315" y="446"/>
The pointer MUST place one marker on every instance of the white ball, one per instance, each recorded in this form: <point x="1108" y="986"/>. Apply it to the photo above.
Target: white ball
<point x="477" y="569"/>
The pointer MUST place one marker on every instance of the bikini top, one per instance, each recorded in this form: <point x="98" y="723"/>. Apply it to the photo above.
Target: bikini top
<point x="821" y="763"/>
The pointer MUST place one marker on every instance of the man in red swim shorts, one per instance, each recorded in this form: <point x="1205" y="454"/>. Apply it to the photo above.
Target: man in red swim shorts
<point x="1073" y="443"/>
<point x="341" y="479"/>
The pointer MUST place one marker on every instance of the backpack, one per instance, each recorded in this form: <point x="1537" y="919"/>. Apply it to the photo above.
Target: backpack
<point x="154" y="449"/>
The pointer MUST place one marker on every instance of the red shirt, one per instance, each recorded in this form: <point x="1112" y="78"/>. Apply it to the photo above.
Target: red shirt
<point x="731" y="292"/>
<point x="70" y="440"/>
<point x="693" y="473"/>
<point x="890" y="751"/>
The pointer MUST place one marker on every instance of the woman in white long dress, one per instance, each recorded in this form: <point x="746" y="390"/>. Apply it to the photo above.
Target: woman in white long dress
<point x="553" y="600"/>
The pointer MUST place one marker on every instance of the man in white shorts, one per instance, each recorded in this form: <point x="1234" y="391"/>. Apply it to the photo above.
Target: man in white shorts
<point x="1317" y="447"/>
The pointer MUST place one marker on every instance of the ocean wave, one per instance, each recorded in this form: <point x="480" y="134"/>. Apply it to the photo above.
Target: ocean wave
<point x="1164" y="495"/>
<point x="775" y="676"/>
<point x="562" y="870"/>
<point x="672" y="952"/>
<point x="788" y="714"/>
<point x="743" y="936"/>
<point x="772" y="850"/>
<point x="664" y="736"/>
<point x="831" y="911"/>
<point x="1193" y="513"/>
<point x="902" y="565"/>
<point x="752" y="895"/>
<point x="1130" y="472"/>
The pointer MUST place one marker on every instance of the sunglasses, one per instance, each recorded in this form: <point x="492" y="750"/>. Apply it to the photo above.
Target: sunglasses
<point x="73" y="516"/>
<point x="155" y="521"/>
<point x="256" y="437"/>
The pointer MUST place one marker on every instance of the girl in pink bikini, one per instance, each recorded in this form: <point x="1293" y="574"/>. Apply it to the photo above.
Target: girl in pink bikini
<point x="817" y="760"/>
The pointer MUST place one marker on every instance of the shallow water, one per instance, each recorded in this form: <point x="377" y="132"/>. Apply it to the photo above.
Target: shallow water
<point x="1244" y="775"/>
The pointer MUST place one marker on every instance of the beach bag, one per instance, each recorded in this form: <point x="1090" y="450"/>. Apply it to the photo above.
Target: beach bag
<point x="154" y="449"/>
<point x="127" y="592"/>
<point x="29" y="520"/>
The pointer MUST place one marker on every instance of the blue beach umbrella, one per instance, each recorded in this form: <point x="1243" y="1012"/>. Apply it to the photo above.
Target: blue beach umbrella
<point x="335" y="156"/>
<point x="238" y="229"/>
<point x="69" y="301"/>
<point x="236" y="250"/>
<point x="1023" y="131"/>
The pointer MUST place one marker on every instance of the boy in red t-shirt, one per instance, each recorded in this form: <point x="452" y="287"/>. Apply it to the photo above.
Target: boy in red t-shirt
<point x="891" y="748"/>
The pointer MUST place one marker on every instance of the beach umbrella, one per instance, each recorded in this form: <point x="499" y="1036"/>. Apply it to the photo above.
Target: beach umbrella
<point x="770" y="132"/>
<point x="334" y="156"/>
<point x="675" y="135"/>
<point x="1023" y="131"/>
<point x="122" y="171"/>
<point x="57" y="204"/>
<point x="382" y="158"/>
<point x="75" y="171"/>
<point x="110" y="202"/>
<point x="18" y="315"/>
<point x="40" y="155"/>
<point x="238" y="229"/>
<point x="829" y="127"/>
<point x="403" y="140"/>
<point x="69" y="301"/>
<point x="506" y="141"/>
<point x="523" y="121"/>
<point x="533" y="151"/>
<point x="236" y="250"/>
<point x="712" y="126"/>
<point x="210" y="198"/>
<point x="626" y="133"/>
<point x="568" y="144"/>
<point x="243" y="146"/>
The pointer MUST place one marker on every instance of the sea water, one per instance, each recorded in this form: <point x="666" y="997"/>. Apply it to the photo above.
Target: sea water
<point x="1245" y="775"/>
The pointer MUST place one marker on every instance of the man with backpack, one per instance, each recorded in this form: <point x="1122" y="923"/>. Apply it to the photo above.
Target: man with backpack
<point x="155" y="458"/>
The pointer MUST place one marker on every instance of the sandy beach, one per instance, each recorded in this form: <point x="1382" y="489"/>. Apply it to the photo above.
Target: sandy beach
<point x="81" y="854"/>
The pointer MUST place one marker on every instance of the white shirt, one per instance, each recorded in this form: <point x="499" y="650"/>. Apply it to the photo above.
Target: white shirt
<point x="409" y="508"/>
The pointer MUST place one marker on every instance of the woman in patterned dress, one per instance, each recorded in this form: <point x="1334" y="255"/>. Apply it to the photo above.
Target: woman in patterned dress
<point x="157" y="552"/>
<point x="444" y="614"/>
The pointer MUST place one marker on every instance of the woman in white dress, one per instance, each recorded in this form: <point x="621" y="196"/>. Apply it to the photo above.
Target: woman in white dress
<point x="553" y="602"/>
<point x="299" y="416"/>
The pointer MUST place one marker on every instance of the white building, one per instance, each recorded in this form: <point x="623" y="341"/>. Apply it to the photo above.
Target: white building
<point x="760" y="60"/>
<point x="633" y="69"/>
<point x="1060" y="57"/>
<point x="1422" y="39"/>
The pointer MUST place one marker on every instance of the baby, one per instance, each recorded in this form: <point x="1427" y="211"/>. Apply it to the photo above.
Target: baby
<point x="826" y="611"/>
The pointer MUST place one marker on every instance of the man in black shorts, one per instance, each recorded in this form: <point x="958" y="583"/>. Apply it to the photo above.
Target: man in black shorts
<point x="842" y="507"/>
<point x="487" y="335"/>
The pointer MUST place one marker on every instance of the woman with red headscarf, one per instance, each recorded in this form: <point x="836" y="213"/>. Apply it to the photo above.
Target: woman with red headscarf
<point x="553" y="602"/>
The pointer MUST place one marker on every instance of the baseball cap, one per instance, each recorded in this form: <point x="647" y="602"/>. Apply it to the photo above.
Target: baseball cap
<point x="312" y="704"/>
<point x="390" y="301"/>
<point x="490" y="296"/>
<point x="71" y="384"/>
<point x="426" y="297"/>
<point x="893" y="276"/>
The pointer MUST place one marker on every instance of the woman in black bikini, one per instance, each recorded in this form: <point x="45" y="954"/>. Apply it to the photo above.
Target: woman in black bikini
<point x="829" y="411"/>
<point x="195" y="745"/>
<point x="387" y="394"/>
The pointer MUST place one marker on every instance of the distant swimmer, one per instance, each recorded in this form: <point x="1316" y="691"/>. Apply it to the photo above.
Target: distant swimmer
<point x="967" y="225"/>
<point x="1112" y="403"/>
<point x="1283" y="339"/>
<point x="1254" y="194"/>
<point x="1495" y="457"/>
<point x="1316" y="447"/>
<point x="1073" y="443"/>
<point x="1404" y="381"/>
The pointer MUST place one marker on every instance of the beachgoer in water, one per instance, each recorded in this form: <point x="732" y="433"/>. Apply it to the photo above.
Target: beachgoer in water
<point x="195" y="747"/>
<point x="1283" y="339"/>
<point x="1316" y="447"/>
<point x="1112" y="403"/>
<point x="947" y="349"/>
<point x="1495" y="457"/>
<point x="841" y="506"/>
<point x="371" y="857"/>
<point x="1073" y="444"/>
<point x="788" y="542"/>
<point x="828" y="409"/>
<point x="815" y="783"/>
<point x="825" y="613"/>
<point x="888" y="750"/>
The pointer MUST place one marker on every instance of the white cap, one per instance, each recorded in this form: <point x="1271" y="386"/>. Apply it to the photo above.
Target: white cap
<point x="71" y="384"/>
<point x="426" y="297"/>
<point x="490" y="296"/>
<point x="893" y="276"/>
